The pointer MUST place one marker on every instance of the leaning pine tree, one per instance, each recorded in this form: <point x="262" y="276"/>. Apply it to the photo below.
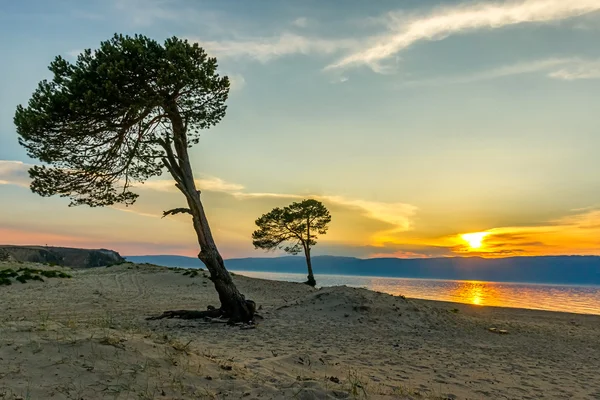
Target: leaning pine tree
<point x="293" y="228"/>
<point x="120" y="115"/>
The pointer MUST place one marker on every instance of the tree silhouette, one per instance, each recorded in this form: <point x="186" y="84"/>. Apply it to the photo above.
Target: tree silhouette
<point x="293" y="228"/>
<point x="120" y="115"/>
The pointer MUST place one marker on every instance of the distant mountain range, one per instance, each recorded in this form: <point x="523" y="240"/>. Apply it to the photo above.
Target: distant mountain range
<point x="574" y="270"/>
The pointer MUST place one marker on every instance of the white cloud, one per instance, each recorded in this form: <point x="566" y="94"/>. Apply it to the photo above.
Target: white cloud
<point x="269" y="48"/>
<point x="556" y="68"/>
<point x="250" y="195"/>
<point x="518" y="69"/>
<point x="580" y="69"/>
<point x="132" y="210"/>
<point x="398" y="214"/>
<point x="301" y="22"/>
<point x="500" y="72"/>
<point x="14" y="173"/>
<point x="210" y="184"/>
<point x="404" y="32"/>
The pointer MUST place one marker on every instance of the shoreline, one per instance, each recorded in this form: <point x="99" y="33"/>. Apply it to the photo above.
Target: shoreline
<point x="592" y="311"/>
<point x="595" y="286"/>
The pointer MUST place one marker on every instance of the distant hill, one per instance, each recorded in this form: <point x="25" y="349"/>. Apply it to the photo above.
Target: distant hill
<point x="574" y="270"/>
<point x="65" y="256"/>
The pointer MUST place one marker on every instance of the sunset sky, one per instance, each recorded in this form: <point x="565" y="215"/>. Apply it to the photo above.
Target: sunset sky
<point x="428" y="128"/>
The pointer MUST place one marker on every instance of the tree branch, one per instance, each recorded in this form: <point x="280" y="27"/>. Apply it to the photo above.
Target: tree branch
<point x="175" y="211"/>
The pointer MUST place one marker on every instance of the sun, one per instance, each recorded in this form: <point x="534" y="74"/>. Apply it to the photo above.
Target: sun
<point x="474" y="239"/>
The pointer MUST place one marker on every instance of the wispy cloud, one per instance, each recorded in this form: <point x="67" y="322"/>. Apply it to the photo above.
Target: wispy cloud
<point x="399" y="215"/>
<point x="580" y="69"/>
<point x="265" y="49"/>
<point x="396" y="214"/>
<point x="211" y="184"/>
<point x="135" y="211"/>
<point x="14" y="173"/>
<point x="382" y="218"/>
<point x="404" y="31"/>
<point x="500" y="72"/>
<point x="554" y="68"/>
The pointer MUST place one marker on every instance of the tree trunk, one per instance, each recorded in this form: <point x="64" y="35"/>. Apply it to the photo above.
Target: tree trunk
<point x="311" y="278"/>
<point x="233" y="304"/>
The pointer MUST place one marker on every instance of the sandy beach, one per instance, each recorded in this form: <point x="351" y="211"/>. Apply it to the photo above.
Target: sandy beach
<point x="87" y="338"/>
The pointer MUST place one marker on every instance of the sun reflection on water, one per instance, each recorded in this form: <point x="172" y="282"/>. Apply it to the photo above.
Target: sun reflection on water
<point x="472" y="292"/>
<point x="469" y="292"/>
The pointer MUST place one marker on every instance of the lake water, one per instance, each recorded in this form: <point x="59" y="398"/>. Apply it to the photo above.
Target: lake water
<point x="577" y="299"/>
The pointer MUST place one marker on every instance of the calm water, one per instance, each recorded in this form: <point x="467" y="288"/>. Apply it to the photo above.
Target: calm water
<point x="579" y="299"/>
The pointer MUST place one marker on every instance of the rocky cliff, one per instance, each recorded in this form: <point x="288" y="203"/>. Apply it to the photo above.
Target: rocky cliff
<point x="68" y="257"/>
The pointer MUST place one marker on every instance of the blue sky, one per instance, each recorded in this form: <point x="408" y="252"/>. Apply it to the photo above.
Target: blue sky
<point x="414" y="121"/>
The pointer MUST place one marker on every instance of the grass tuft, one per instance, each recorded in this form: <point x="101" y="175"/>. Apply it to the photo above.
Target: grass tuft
<point x="25" y="274"/>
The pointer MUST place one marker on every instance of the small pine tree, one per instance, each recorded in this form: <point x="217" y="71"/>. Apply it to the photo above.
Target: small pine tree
<point x="293" y="228"/>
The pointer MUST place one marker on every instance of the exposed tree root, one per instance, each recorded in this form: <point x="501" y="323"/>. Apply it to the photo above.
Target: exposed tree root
<point x="212" y="315"/>
<point x="211" y="312"/>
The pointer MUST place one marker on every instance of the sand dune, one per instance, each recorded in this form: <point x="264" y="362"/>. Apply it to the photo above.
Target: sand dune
<point x="87" y="338"/>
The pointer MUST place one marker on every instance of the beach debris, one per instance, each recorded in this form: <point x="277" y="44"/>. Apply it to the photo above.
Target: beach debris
<point x="334" y="379"/>
<point x="498" y="331"/>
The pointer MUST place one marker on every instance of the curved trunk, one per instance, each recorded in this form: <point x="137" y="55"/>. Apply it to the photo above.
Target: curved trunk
<point x="233" y="303"/>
